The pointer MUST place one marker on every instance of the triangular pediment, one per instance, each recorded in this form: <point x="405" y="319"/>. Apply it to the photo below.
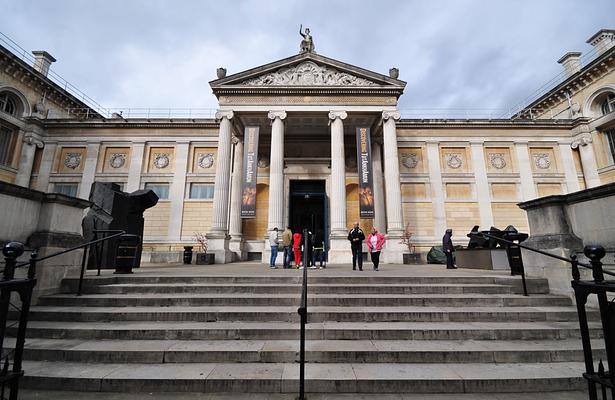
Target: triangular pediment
<point x="308" y="70"/>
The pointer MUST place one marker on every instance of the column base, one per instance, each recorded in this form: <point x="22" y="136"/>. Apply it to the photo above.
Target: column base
<point x="218" y="244"/>
<point x="339" y="251"/>
<point x="393" y="252"/>
<point x="236" y="247"/>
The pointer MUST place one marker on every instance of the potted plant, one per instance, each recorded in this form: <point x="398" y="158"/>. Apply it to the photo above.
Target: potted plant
<point x="412" y="257"/>
<point x="202" y="257"/>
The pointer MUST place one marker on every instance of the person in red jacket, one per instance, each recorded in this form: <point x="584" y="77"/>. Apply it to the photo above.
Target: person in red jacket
<point x="375" y="241"/>
<point x="297" y="248"/>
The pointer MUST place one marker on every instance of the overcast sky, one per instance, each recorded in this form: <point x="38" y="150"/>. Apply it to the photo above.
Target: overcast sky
<point x="453" y="54"/>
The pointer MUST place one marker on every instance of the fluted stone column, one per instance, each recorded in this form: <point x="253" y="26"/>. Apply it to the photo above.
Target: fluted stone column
<point x="570" y="171"/>
<point x="379" y="203"/>
<point x="217" y="237"/>
<point x="89" y="170"/>
<point x="26" y="161"/>
<point x="395" y="223"/>
<point x="339" y="245"/>
<point x="588" y="160"/>
<point x="236" y="242"/>
<point x="276" y="171"/>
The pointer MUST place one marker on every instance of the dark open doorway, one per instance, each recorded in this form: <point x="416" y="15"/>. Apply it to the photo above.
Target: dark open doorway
<point x="308" y="207"/>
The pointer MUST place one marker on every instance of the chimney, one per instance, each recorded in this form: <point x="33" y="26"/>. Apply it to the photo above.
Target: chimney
<point x="603" y="40"/>
<point x="42" y="61"/>
<point x="571" y="63"/>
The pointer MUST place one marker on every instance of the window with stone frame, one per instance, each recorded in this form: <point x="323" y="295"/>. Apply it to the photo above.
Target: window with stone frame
<point x="8" y="140"/>
<point x="161" y="189"/>
<point x="610" y="138"/>
<point x="608" y="105"/>
<point x="201" y="191"/>
<point x="8" y="103"/>
<point x="68" y="189"/>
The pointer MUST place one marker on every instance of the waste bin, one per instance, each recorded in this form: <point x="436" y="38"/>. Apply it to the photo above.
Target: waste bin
<point x="126" y="254"/>
<point x="188" y="254"/>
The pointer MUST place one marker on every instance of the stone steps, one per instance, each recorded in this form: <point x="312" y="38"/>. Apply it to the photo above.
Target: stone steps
<point x="289" y="299"/>
<point x="321" y="377"/>
<point x="317" y="314"/>
<point x="135" y="330"/>
<point x="317" y="351"/>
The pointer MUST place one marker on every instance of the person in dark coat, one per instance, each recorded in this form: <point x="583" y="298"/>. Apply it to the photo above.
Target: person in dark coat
<point x="356" y="238"/>
<point x="447" y="247"/>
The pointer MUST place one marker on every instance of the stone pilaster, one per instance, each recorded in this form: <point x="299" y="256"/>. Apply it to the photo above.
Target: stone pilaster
<point x="588" y="160"/>
<point x="570" y="171"/>
<point x="217" y="237"/>
<point x="276" y="171"/>
<point x="379" y="203"/>
<point x="235" y="229"/>
<point x="339" y="246"/>
<point x="136" y="166"/>
<point x="42" y="181"/>
<point x="482" y="185"/>
<point x="528" y="187"/>
<point x="395" y="221"/>
<point x="26" y="161"/>
<point x="89" y="170"/>
<point x="177" y="191"/>
<point x="436" y="189"/>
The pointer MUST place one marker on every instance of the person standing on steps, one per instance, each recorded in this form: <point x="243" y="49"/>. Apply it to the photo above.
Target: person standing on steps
<point x="375" y="241"/>
<point x="448" y="248"/>
<point x="273" y="242"/>
<point x="297" y="248"/>
<point x="356" y="238"/>
<point x="287" y="238"/>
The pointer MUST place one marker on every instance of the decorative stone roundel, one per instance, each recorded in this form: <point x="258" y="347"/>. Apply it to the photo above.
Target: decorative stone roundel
<point x="161" y="160"/>
<point x="206" y="160"/>
<point x="542" y="160"/>
<point x="263" y="162"/>
<point x="117" y="160"/>
<point x="409" y="160"/>
<point x="454" y="161"/>
<point x="497" y="160"/>
<point x="72" y="160"/>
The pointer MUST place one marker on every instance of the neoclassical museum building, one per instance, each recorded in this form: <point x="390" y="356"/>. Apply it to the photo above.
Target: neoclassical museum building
<point x="284" y="150"/>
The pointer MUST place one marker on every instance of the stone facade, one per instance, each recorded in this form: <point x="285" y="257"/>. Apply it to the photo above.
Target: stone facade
<point x="429" y="175"/>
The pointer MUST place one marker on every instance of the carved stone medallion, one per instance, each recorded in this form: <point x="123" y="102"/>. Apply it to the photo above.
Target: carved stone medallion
<point x="72" y="160"/>
<point x="161" y="160"/>
<point x="497" y="160"/>
<point x="542" y="160"/>
<point x="263" y="162"/>
<point x="308" y="73"/>
<point x="206" y="160"/>
<point x="454" y="160"/>
<point x="117" y="160"/>
<point x="409" y="160"/>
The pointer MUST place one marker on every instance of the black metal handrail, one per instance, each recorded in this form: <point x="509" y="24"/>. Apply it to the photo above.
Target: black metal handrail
<point x="303" y="313"/>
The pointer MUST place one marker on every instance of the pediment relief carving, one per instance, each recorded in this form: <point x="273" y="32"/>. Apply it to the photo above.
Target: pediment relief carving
<point x="308" y="73"/>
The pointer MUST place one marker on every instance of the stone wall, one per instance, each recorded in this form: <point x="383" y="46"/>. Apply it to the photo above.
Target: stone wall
<point x="563" y="225"/>
<point x="48" y="223"/>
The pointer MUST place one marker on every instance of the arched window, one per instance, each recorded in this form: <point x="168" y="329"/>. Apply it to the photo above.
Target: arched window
<point x="608" y="105"/>
<point x="8" y="103"/>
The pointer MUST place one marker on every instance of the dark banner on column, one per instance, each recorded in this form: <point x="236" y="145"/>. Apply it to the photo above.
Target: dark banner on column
<point x="248" y="186"/>
<point x="364" y="166"/>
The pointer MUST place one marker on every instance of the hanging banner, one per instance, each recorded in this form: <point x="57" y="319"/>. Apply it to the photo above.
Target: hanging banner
<point x="364" y="166"/>
<point x="248" y="185"/>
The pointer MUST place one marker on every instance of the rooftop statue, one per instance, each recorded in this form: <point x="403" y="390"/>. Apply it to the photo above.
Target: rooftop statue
<point x="307" y="44"/>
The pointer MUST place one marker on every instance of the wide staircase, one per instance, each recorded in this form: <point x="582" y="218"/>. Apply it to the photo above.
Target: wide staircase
<point x="368" y="332"/>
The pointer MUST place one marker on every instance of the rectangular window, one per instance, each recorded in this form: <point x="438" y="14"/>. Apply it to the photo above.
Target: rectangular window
<point x="161" y="189"/>
<point x="69" y="189"/>
<point x="201" y="191"/>
<point x="7" y="145"/>
<point x="610" y="138"/>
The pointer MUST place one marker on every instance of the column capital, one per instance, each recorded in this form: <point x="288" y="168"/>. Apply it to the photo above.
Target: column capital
<point x="394" y="114"/>
<point x="583" y="140"/>
<point x="228" y="114"/>
<point x="273" y="114"/>
<point x="33" y="139"/>
<point x="333" y="115"/>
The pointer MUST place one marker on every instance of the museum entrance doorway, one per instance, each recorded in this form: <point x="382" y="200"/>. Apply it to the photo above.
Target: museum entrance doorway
<point x="308" y="207"/>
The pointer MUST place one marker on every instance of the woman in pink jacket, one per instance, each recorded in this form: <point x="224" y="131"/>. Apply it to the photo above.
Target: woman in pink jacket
<point x="375" y="241"/>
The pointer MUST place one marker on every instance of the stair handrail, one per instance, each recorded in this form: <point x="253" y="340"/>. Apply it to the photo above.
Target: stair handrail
<point x="303" y="313"/>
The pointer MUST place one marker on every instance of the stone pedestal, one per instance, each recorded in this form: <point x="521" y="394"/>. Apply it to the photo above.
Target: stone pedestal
<point x="393" y="252"/>
<point x="339" y="252"/>
<point x="218" y="244"/>
<point x="236" y="246"/>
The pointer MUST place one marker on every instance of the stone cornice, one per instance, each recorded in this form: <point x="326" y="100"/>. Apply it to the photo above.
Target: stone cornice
<point x="489" y="123"/>
<point x="137" y="123"/>
<point x="26" y="74"/>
